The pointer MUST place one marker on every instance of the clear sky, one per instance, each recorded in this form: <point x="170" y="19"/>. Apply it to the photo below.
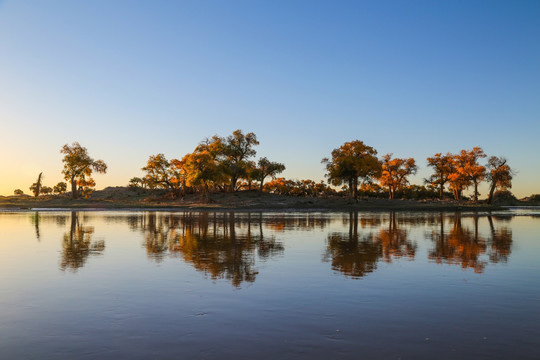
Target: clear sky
<point x="128" y="79"/>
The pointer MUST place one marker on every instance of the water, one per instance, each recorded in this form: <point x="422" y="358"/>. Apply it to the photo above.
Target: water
<point x="159" y="285"/>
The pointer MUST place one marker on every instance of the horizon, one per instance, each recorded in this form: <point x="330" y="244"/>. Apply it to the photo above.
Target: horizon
<point x="128" y="80"/>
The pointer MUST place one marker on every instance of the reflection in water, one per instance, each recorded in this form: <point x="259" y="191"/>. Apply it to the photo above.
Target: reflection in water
<point x="351" y="254"/>
<point x="227" y="245"/>
<point x="500" y="242"/>
<point x="356" y="255"/>
<point x="35" y="219"/>
<point x="464" y="246"/>
<point x="222" y="246"/>
<point x="368" y="297"/>
<point x="77" y="244"/>
<point x="394" y="241"/>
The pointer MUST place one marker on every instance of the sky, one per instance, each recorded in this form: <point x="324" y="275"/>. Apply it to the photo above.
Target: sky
<point x="129" y="79"/>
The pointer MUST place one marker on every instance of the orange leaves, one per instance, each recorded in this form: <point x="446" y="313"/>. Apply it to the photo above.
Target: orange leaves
<point x="395" y="173"/>
<point x="78" y="165"/>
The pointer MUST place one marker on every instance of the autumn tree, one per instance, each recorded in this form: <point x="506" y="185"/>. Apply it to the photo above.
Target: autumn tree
<point x="395" y="173"/>
<point x="267" y="168"/>
<point x="162" y="173"/>
<point x="201" y="170"/>
<point x="350" y="162"/>
<point x="499" y="175"/>
<point x="234" y="153"/>
<point x="36" y="187"/>
<point x="280" y="186"/>
<point x="457" y="180"/>
<point x="251" y="174"/>
<point x="469" y="167"/>
<point x="443" y="166"/>
<point x="78" y="168"/>
<point x="60" y="188"/>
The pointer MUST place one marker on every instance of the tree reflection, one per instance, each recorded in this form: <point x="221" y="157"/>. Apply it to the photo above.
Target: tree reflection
<point x="35" y="219"/>
<point x="467" y="247"/>
<point x="395" y="241"/>
<point x="222" y="247"/>
<point x="500" y="242"/>
<point x="352" y="254"/>
<point x="357" y="255"/>
<point x="77" y="244"/>
<point x="159" y="233"/>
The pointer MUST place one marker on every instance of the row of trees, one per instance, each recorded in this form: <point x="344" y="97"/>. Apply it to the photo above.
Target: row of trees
<point x="78" y="170"/>
<point x="228" y="164"/>
<point x="222" y="163"/>
<point x="38" y="188"/>
<point x="460" y="171"/>
<point x="355" y="162"/>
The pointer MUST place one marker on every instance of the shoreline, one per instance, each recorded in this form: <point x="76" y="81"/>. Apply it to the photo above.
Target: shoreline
<point x="270" y="207"/>
<point x="125" y="199"/>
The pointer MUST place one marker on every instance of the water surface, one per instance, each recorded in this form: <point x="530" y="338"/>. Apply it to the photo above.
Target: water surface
<point x="171" y="285"/>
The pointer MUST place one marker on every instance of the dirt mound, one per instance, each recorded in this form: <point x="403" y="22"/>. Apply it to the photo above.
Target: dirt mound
<point x="535" y="199"/>
<point x="123" y="193"/>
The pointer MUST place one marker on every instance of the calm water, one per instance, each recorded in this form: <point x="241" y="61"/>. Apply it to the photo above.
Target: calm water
<point x="158" y="285"/>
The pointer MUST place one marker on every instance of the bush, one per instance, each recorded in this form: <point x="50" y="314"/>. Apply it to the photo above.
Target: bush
<point x="505" y="197"/>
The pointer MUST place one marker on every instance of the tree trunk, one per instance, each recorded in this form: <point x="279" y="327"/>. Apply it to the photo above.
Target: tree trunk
<point x="74" y="193"/>
<point x="38" y="185"/>
<point x="355" y="188"/>
<point x="441" y="190"/>
<point x="234" y="179"/>
<point x="491" y="191"/>
<point x="475" y="191"/>
<point x="205" y="196"/>
<point x="262" y="184"/>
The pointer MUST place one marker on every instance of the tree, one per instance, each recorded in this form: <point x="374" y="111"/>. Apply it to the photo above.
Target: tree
<point x="46" y="190"/>
<point x="499" y="174"/>
<point x="252" y="174"/>
<point x="280" y="186"/>
<point x="78" y="168"/>
<point x="395" y="172"/>
<point x="235" y="150"/>
<point x="36" y="187"/>
<point x="350" y="162"/>
<point x="457" y="179"/>
<point x="136" y="182"/>
<point x="60" y="188"/>
<point x="201" y="170"/>
<point x="469" y="167"/>
<point x="443" y="166"/>
<point x="267" y="168"/>
<point x="18" y="192"/>
<point x="157" y="171"/>
<point x="161" y="173"/>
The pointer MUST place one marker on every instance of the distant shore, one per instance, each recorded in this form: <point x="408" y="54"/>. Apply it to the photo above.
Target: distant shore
<point x="126" y="199"/>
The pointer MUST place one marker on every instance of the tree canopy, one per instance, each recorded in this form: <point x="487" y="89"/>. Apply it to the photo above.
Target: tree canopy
<point x="499" y="174"/>
<point x="395" y="172"/>
<point x="350" y="162"/>
<point x="78" y="169"/>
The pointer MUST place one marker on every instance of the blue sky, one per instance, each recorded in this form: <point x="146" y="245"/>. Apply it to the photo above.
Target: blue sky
<point x="128" y="79"/>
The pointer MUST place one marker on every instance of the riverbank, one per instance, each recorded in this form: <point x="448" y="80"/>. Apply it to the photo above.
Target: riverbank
<point x="122" y="198"/>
